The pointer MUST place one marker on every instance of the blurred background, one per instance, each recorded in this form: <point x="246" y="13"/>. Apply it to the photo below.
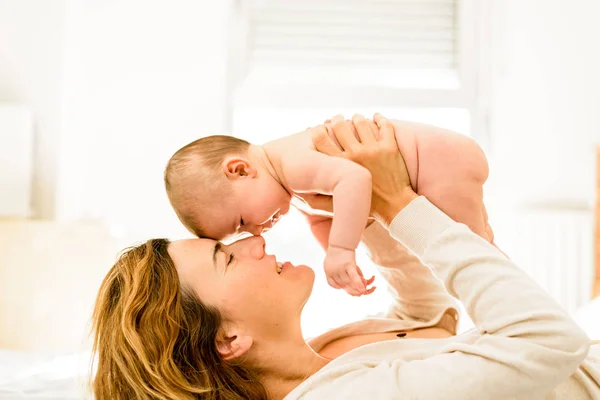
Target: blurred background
<point x="95" y="96"/>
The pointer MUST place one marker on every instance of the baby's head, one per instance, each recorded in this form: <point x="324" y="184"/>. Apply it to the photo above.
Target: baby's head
<point x="219" y="186"/>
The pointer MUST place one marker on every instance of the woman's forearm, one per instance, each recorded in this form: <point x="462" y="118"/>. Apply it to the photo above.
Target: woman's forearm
<point x="526" y="342"/>
<point x="417" y="295"/>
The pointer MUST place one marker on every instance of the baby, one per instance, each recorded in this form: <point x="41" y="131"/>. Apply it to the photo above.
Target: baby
<point x="221" y="185"/>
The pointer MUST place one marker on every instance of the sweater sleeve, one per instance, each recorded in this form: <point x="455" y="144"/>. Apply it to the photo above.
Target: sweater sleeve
<point x="417" y="295"/>
<point x="527" y="343"/>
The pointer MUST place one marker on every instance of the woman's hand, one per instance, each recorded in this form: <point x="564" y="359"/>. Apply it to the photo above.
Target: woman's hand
<point x="374" y="147"/>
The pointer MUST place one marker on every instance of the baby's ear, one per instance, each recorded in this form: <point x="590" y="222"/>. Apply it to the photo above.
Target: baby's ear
<point x="236" y="167"/>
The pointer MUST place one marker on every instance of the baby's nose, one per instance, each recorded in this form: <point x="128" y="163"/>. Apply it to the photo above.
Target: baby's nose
<point x="256" y="230"/>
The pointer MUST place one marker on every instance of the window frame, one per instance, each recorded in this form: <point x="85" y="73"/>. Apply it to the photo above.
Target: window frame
<point x="473" y="70"/>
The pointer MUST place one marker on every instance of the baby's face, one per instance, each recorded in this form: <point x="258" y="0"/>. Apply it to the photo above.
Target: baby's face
<point x="254" y="206"/>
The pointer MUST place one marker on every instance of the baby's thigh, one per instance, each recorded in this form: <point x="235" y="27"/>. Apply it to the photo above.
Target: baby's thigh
<point x="452" y="172"/>
<point x="460" y="199"/>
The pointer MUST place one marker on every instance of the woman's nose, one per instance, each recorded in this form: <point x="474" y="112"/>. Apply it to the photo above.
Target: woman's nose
<point x="253" y="246"/>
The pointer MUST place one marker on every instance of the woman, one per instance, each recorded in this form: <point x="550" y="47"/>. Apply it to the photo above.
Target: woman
<point x="199" y="319"/>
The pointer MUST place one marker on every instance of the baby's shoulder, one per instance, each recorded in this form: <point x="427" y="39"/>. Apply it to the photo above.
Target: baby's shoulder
<point x="291" y="145"/>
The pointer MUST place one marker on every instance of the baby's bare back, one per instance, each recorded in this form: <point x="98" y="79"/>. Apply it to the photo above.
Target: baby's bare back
<point x="426" y="149"/>
<point x="279" y="149"/>
<point x="446" y="167"/>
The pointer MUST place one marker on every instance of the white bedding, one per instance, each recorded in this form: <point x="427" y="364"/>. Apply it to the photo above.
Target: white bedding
<point x="37" y="376"/>
<point x="588" y="317"/>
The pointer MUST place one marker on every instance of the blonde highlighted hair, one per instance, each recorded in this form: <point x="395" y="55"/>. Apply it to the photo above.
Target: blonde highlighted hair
<point x="192" y="176"/>
<point x="155" y="339"/>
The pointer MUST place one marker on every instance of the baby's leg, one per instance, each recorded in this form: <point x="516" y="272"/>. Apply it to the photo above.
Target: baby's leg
<point x="452" y="171"/>
<point x="449" y="169"/>
<point x="488" y="228"/>
<point x="461" y="200"/>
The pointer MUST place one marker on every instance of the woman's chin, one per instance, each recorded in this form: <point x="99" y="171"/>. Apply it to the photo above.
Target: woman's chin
<point x="305" y="270"/>
<point x="301" y="277"/>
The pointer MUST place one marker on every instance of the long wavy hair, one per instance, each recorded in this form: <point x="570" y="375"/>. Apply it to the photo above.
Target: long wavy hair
<point x="155" y="339"/>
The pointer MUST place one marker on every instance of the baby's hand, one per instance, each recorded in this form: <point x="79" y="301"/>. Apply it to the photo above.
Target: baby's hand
<point x="343" y="273"/>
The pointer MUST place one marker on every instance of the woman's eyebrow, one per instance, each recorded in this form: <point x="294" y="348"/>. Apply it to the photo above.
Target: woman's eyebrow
<point x="215" y="251"/>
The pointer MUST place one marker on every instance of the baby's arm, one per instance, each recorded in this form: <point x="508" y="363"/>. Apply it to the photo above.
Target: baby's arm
<point x="320" y="227"/>
<point x="350" y="186"/>
<point x="347" y="182"/>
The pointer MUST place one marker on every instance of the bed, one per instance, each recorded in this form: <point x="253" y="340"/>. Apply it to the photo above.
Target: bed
<point x="26" y="375"/>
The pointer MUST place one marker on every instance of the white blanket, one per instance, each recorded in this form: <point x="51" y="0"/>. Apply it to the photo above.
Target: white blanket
<point x="38" y="376"/>
<point x="588" y="317"/>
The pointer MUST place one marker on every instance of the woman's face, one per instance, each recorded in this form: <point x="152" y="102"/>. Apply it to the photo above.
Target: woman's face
<point x="244" y="283"/>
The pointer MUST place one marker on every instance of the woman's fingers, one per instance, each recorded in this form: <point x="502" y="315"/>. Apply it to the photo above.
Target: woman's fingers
<point x="386" y="132"/>
<point x="377" y="117"/>
<point x="364" y="129"/>
<point x="344" y="133"/>
<point x="375" y="129"/>
<point x="324" y="143"/>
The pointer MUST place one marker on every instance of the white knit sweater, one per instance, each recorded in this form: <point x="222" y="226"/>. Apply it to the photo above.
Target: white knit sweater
<point x="524" y="345"/>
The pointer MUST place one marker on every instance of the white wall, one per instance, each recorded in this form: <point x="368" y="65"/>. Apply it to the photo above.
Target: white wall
<point x="115" y="87"/>
<point x="144" y="78"/>
<point x="49" y="279"/>
<point x="31" y="59"/>
<point x="545" y="101"/>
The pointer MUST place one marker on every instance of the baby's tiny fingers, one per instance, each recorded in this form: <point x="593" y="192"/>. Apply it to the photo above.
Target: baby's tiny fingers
<point x="333" y="283"/>
<point x="352" y="291"/>
<point x="349" y="285"/>
<point x="343" y="279"/>
<point x="371" y="290"/>
<point x="357" y="281"/>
